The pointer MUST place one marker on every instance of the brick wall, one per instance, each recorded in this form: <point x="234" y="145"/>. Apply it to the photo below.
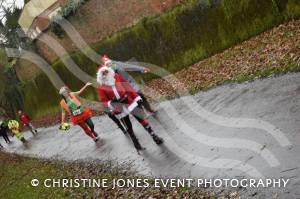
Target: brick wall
<point x="97" y="19"/>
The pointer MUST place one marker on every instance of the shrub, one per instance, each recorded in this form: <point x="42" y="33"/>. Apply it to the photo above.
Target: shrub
<point x="66" y="11"/>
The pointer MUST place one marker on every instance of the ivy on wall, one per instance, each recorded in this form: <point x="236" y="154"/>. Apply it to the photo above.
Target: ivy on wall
<point x="66" y="11"/>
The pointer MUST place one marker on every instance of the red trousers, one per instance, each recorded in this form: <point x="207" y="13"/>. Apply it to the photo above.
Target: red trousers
<point x="87" y="129"/>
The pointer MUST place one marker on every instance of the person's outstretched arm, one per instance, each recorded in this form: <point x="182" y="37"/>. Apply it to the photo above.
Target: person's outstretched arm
<point x="82" y="89"/>
<point x="131" y="67"/>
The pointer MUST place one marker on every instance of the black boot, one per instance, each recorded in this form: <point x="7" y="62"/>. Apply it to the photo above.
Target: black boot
<point x="23" y="140"/>
<point x="135" y="141"/>
<point x="157" y="139"/>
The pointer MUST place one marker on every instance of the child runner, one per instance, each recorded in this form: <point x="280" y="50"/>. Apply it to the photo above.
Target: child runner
<point x="14" y="127"/>
<point x="26" y="121"/>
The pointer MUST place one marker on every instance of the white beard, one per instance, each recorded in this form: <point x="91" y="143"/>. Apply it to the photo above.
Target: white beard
<point x="109" y="80"/>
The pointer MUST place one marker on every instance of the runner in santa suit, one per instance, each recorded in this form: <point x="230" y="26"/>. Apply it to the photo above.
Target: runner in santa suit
<point x="26" y="121"/>
<point x="123" y="69"/>
<point x="79" y="115"/>
<point x="117" y="95"/>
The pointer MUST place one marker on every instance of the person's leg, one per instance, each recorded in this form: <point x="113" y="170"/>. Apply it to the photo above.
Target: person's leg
<point x="139" y="115"/>
<point x="130" y="131"/>
<point x="6" y="138"/>
<point x="20" y="136"/>
<point x="145" y="103"/>
<point x="31" y="128"/>
<point x="91" y="125"/>
<point x="117" y="122"/>
<point x="86" y="129"/>
<point x="23" y="140"/>
<point x="3" y="137"/>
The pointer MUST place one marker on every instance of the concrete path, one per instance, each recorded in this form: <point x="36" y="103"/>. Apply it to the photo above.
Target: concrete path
<point x="247" y="130"/>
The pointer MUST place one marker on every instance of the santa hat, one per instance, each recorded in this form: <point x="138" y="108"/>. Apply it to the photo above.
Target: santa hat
<point x="109" y="79"/>
<point x="106" y="60"/>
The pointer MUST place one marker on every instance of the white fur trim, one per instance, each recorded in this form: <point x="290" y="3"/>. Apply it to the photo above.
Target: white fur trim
<point x="108" y="61"/>
<point x="116" y="93"/>
<point x="123" y="114"/>
<point x="109" y="105"/>
<point x="111" y="75"/>
<point x="127" y="111"/>
<point x="132" y="106"/>
<point x="138" y="98"/>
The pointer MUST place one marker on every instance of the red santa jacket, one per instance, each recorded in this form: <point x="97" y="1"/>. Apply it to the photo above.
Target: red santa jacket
<point x="25" y="119"/>
<point x="121" y="89"/>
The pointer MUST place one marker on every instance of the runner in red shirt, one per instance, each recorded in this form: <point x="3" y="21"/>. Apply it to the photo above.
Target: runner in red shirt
<point x="26" y="121"/>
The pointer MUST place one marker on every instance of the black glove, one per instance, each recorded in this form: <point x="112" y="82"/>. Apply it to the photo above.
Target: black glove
<point x="140" y="102"/>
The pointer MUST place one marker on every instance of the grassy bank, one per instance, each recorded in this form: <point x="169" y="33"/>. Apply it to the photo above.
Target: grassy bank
<point x="17" y="172"/>
<point x="274" y="52"/>
<point x="175" y="40"/>
<point x="191" y="32"/>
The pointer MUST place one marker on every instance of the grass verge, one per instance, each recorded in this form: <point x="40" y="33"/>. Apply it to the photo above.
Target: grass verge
<point x="17" y="172"/>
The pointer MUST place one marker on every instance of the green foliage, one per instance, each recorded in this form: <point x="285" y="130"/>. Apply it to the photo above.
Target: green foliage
<point x="190" y="32"/>
<point x="55" y="27"/>
<point x="17" y="173"/>
<point x="292" y="9"/>
<point x="11" y="96"/>
<point x="66" y="11"/>
<point x="71" y="8"/>
<point x="9" y="36"/>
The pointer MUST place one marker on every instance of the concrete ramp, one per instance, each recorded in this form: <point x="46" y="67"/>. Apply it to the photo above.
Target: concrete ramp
<point x="249" y="130"/>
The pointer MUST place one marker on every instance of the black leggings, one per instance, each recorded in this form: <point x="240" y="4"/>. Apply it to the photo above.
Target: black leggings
<point x="138" y="113"/>
<point x="4" y="135"/>
<point x="88" y="128"/>
<point x="116" y="120"/>
<point x="145" y="102"/>
<point x="90" y="123"/>
<point x="126" y="121"/>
